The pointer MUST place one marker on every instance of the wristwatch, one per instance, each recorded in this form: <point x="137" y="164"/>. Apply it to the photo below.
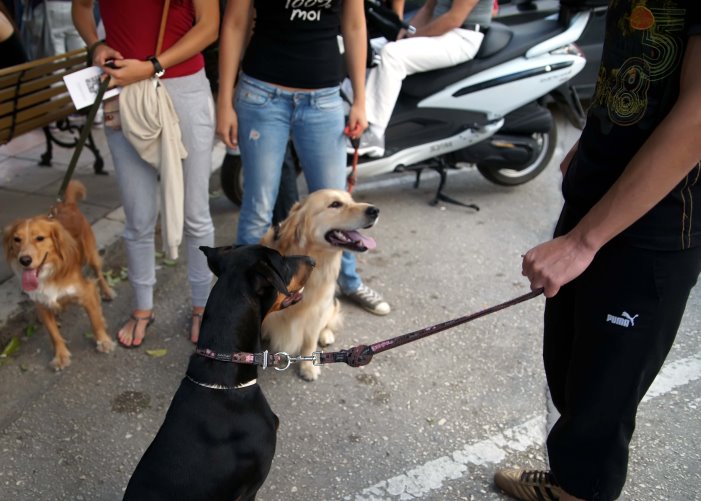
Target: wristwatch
<point x="157" y="66"/>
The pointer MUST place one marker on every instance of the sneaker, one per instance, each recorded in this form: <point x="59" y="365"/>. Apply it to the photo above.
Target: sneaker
<point x="528" y="485"/>
<point x="371" y="145"/>
<point x="370" y="300"/>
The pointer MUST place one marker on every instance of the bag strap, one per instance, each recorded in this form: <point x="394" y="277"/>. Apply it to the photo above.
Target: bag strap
<point x="162" y="30"/>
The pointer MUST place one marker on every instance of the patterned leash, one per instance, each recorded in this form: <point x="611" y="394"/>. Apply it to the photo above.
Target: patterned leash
<point x="360" y="355"/>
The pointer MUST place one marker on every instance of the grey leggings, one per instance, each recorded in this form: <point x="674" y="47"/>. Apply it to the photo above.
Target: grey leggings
<point x="138" y="185"/>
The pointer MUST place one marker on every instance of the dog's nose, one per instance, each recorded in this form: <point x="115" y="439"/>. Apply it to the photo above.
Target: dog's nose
<point x="372" y="211"/>
<point x="25" y="260"/>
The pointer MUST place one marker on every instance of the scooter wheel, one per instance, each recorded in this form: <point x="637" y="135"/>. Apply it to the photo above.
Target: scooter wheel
<point x="231" y="178"/>
<point x="512" y="177"/>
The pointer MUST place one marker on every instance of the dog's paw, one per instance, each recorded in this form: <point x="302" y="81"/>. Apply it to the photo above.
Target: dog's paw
<point x="309" y="371"/>
<point x="108" y="294"/>
<point x="61" y="360"/>
<point x="326" y="337"/>
<point x="106" y="345"/>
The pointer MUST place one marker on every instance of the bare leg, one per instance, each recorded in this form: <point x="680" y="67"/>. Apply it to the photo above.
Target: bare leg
<point x="133" y="332"/>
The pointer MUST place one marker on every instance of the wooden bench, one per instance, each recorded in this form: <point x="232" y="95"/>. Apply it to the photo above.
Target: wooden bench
<point x="33" y="95"/>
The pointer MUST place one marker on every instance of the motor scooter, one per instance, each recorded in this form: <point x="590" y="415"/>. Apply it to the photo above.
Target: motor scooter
<point x="491" y="112"/>
<point x="591" y="42"/>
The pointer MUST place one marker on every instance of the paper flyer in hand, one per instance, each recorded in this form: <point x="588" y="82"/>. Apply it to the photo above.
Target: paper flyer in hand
<point x="83" y="86"/>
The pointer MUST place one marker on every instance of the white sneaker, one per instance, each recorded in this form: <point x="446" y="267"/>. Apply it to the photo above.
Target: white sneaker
<point x="370" y="145"/>
<point x="370" y="300"/>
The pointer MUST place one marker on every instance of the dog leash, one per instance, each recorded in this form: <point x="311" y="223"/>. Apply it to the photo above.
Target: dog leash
<point x="84" y="133"/>
<point x="353" y="174"/>
<point x="356" y="356"/>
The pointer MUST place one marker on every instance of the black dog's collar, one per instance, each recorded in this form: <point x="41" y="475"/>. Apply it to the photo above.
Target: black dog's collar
<point x="264" y="359"/>
<point x="221" y="386"/>
<point x="279" y="361"/>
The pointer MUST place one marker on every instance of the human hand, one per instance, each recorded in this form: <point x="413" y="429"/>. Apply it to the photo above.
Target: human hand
<point x="104" y="52"/>
<point x="357" y="121"/>
<point x="227" y="126"/>
<point x="127" y="71"/>
<point x="553" y="264"/>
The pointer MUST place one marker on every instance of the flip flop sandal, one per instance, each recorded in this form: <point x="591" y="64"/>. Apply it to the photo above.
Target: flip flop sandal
<point x="149" y="320"/>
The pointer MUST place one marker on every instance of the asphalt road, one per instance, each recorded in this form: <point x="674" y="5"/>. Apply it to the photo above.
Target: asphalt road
<point x="430" y="420"/>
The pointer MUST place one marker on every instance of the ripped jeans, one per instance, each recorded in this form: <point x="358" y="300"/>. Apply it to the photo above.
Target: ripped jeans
<point x="268" y="117"/>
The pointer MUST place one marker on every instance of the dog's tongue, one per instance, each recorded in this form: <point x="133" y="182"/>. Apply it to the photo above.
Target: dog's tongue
<point x="356" y="236"/>
<point x="30" y="280"/>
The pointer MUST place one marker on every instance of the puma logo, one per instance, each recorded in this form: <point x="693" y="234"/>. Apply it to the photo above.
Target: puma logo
<point x="632" y="319"/>
<point x="625" y="320"/>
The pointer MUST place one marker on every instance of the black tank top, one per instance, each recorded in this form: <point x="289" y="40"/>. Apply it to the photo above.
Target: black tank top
<point x="12" y="52"/>
<point x="295" y="43"/>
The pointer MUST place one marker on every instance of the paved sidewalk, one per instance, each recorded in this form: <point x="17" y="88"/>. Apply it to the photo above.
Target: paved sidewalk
<point x="28" y="189"/>
<point x="429" y="421"/>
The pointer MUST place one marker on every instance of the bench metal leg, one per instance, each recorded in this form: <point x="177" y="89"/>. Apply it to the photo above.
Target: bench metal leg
<point x="74" y="130"/>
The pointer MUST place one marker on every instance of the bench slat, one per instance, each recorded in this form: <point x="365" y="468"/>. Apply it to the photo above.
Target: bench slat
<point x="73" y="56"/>
<point x="6" y="108"/>
<point x="62" y="105"/>
<point x="33" y="95"/>
<point x="30" y="126"/>
<point x="27" y="87"/>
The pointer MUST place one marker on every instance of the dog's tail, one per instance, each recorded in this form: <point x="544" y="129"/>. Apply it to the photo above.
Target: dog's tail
<point x="75" y="192"/>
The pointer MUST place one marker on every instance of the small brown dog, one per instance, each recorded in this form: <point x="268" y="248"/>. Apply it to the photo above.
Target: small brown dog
<point x="321" y="226"/>
<point x="47" y="254"/>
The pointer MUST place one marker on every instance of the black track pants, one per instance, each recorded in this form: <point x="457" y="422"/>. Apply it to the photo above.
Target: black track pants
<point x="606" y="336"/>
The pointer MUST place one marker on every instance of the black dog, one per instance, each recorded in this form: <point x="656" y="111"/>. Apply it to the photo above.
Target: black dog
<point x="217" y="441"/>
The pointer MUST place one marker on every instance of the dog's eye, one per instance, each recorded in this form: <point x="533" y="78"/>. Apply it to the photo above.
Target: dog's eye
<point x="40" y="238"/>
<point x="17" y="239"/>
<point x="336" y="204"/>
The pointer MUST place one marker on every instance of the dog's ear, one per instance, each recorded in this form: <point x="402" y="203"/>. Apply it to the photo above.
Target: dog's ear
<point x="293" y="229"/>
<point x="215" y="257"/>
<point x="7" y="236"/>
<point x="64" y="244"/>
<point x="266" y="275"/>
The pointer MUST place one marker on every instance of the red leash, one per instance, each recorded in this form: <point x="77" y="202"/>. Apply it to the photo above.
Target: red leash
<point x="355" y="141"/>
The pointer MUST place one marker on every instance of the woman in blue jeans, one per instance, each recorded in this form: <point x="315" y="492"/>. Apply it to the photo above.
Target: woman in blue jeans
<point x="289" y="88"/>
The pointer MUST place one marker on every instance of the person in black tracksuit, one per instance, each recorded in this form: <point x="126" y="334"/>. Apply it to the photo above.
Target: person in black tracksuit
<point x="627" y="248"/>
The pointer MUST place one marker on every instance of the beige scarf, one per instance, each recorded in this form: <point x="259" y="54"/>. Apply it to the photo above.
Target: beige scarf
<point x="151" y="125"/>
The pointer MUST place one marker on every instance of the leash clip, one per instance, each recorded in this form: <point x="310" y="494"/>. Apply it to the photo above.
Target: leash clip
<point x="287" y="359"/>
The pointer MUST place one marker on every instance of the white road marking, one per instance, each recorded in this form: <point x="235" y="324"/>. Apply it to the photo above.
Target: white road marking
<point x="430" y="476"/>
<point x="673" y="375"/>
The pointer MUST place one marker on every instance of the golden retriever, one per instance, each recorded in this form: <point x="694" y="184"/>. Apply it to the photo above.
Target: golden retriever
<point x="321" y="226"/>
<point x="47" y="253"/>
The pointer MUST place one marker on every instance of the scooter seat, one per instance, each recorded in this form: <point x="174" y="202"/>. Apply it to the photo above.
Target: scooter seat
<point x="501" y="43"/>
<point x="496" y="38"/>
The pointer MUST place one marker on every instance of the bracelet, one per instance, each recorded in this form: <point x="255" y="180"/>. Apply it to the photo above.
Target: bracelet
<point x="157" y="66"/>
<point x="91" y="50"/>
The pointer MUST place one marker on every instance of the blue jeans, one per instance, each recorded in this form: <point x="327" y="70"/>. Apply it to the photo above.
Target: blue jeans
<point x="267" y="118"/>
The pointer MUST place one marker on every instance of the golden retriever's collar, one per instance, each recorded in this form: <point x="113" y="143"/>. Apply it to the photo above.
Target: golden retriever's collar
<point x="221" y="386"/>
